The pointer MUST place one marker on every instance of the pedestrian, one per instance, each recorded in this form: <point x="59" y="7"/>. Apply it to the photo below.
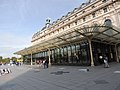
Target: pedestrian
<point x="44" y="63"/>
<point x="40" y="63"/>
<point x="76" y="58"/>
<point x="47" y="62"/>
<point x="106" y="65"/>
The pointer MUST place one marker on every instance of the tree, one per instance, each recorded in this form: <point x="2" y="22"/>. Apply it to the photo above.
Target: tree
<point x="6" y="60"/>
<point x="1" y="57"/>
<point x="14" y="58"/>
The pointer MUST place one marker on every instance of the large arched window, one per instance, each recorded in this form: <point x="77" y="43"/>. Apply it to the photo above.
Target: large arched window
<point x="108" y="22"/>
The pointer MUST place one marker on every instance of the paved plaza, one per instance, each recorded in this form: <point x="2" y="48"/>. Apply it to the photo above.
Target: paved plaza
<point x="62" y="78"/>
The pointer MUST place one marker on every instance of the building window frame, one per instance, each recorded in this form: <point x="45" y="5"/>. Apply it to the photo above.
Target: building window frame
<point x="76" y="23"/>
<point x="94" y="15"/>
<point x="84" y="19"/>
<point x="105" y="9"/>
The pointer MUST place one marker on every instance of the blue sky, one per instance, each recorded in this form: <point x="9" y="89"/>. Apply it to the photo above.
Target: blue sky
<point x="20" y="19"/>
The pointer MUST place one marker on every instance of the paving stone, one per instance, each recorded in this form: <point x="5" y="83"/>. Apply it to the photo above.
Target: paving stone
<point x="61" y="78"/>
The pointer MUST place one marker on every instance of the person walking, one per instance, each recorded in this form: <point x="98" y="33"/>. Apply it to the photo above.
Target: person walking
<point x="76" y="58"/>
<point x="47" y="62"/>
<point x="40" y="63"/>
<point x="106" y="65"/>
<point x="44" y="63"/>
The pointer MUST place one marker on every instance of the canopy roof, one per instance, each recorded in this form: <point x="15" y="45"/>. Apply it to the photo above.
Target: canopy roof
<point x="98" y="33"/>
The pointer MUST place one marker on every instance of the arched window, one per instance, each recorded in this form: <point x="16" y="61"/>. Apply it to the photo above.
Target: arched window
<point x="108" y="22"/>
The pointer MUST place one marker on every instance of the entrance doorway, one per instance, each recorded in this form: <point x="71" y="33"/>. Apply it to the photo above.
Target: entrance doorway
<point x="100" y="50"/>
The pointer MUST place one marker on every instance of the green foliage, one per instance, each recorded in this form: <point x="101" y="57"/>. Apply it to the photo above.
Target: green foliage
<point x="14" y="58"/>
<point x="0" y="58"/>
<point x="7" y="60"/>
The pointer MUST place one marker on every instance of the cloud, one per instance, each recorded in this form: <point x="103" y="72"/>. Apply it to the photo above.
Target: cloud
<point x="13" y="39"/>
<point x="10" y="43"/>
<point x="20" y="19"/>
<point x="8" y="52"/>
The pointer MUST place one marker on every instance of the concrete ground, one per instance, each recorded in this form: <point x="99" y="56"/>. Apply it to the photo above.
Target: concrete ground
<point x="62" y="78"/>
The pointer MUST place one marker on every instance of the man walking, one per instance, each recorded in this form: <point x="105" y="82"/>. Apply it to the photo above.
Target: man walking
<point x="106" y="65"/>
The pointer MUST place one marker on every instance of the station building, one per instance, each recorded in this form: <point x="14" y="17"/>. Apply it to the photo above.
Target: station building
<point x="81" y="37"/>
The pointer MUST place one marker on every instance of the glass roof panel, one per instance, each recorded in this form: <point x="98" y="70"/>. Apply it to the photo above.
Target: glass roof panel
<point x="110" y="32"/>
<point x="100" y="33"/>
<point x="117" y="36"/>
<point x="101" y="36"/>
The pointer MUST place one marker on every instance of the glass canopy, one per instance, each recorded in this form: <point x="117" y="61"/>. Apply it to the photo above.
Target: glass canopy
<point x="99" y="33"/>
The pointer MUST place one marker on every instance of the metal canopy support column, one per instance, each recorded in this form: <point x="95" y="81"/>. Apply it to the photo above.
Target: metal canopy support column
<point x="49" y="57"/>
<point x="116" y="53"/>
<point x="91" y="54"/>
<point x="89" y="38"/>
<point x="31" y="59"/>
